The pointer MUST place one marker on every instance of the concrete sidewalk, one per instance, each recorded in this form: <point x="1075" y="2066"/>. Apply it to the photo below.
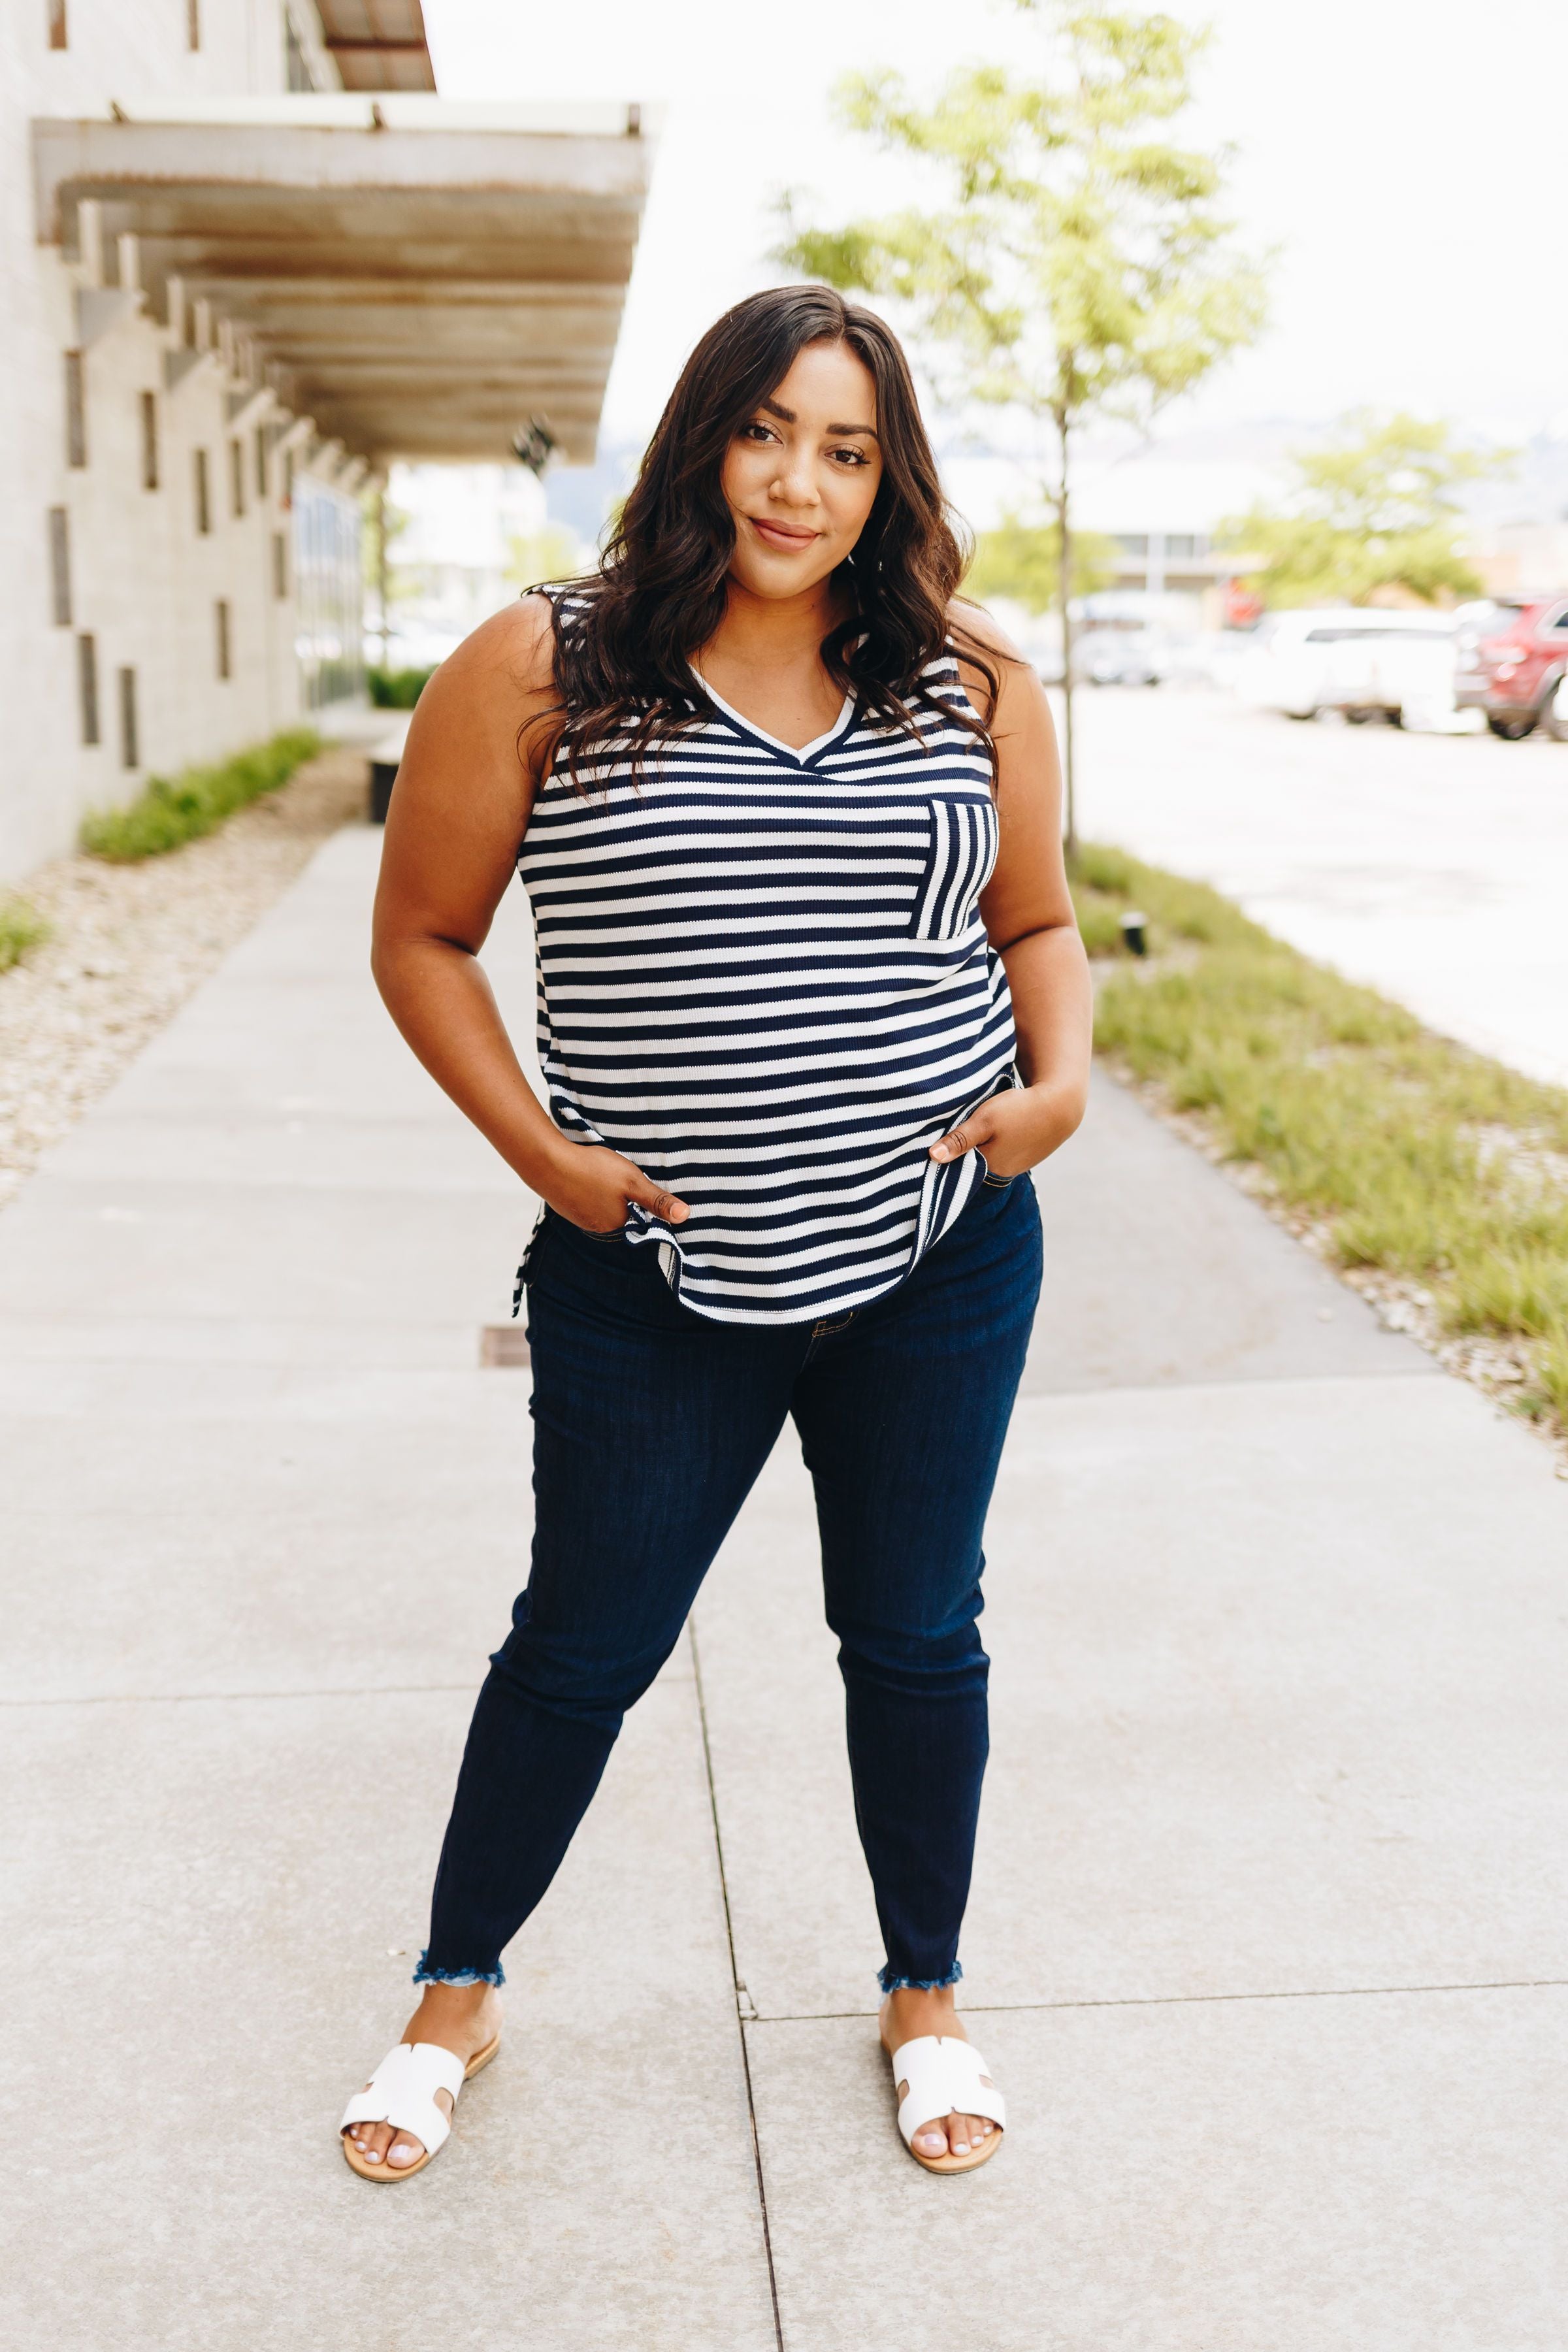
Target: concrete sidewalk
<point x="1267" y="1937"/>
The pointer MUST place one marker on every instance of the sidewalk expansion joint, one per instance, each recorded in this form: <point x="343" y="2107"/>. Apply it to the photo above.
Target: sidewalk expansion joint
<point x="1182" y="2000"/>
<point x="746" y="2008"/>
<point x="228" y="1698"/>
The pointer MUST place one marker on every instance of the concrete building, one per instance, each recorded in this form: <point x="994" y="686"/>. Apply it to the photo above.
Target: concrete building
<point x="248" y="259"/>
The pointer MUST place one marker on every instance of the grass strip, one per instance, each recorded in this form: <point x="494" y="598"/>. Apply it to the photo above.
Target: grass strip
<point x="1412" y="1154"/>
<point x="21" y="928"/>
<point x="171" y="811"/>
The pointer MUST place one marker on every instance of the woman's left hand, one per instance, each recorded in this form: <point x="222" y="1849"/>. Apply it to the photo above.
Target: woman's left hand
<point x="1016" y="1129"/>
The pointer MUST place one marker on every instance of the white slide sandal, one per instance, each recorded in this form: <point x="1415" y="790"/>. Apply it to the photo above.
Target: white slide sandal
<point x="937" y="2075"/>
<point x="401" y="2092"/>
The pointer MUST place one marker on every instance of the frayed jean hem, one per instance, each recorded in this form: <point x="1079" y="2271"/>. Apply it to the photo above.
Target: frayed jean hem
<point x="425" y="1974"/>
<point x="891" y="1983"/>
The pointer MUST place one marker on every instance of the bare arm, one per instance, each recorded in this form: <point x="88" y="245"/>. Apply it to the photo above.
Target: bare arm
<point x="460" y="809"/>
<point x="1028" y="915"/>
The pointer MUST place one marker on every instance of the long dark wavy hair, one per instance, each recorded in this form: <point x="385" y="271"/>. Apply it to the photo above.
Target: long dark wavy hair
<point x="626" y="636"/>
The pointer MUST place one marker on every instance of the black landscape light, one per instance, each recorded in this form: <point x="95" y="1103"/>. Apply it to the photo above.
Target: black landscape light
<point x="1135" y="933"/>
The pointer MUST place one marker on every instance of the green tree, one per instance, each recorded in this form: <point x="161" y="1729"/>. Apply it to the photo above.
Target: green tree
<point x="1375" y="510"/>
<point x="1080" y="266"/>
<point x="384" y="524"/>
<point x="549" y="554"/>
<point x="1024" y="561"/>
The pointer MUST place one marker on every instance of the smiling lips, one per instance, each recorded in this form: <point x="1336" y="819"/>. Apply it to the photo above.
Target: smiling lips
<point x="782" y="534"/>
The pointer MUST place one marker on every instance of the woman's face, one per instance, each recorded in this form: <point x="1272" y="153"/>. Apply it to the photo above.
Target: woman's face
<point x="802" y="473"/>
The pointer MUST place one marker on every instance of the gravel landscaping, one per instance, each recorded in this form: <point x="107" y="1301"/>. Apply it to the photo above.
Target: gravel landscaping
<point x="128" y="944"/>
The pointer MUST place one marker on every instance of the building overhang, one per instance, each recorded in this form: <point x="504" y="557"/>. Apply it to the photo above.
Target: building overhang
<point x="378" y="44"/>
<point x="420" y="278"/>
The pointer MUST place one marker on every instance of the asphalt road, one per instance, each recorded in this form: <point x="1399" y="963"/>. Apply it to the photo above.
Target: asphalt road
<point x="1434" y="868"/>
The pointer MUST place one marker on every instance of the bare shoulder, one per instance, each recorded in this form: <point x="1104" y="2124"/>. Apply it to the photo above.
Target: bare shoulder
<point x="472" y="715"/>
<point x="513" y="650"/>
<point x="967" y="620"/>
<point x="983" y="645"/>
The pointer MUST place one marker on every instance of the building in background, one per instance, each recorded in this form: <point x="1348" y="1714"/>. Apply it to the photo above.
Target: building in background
<point x="248" y="260"/>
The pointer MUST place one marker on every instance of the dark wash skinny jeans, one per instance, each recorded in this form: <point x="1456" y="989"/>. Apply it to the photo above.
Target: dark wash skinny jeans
<point x="651" y="1426"/>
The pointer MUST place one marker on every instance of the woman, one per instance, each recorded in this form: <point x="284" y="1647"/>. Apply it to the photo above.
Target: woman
<point x="811" y="1000"/>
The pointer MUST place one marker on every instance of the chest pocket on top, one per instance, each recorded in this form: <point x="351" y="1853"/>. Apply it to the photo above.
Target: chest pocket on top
<point x="965" y="839"/>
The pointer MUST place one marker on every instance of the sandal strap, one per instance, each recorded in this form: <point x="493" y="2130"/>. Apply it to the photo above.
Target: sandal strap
<point x="945" y="2076"/>
<point x="402" y="2092"/>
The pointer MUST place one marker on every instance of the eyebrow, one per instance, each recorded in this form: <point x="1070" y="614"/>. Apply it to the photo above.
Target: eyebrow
<point x="787" y="416"/>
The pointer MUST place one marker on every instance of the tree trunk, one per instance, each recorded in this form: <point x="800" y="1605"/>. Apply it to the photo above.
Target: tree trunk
<point x="381" y="572"/>
<point x="1064" y="590"/>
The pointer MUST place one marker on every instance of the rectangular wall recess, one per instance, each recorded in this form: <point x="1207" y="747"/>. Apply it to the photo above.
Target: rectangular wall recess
<point x="130" y="747"/>
<point x="60" y="567"/>
<point x="75" y="411"/>
<point x="87" y="687"/>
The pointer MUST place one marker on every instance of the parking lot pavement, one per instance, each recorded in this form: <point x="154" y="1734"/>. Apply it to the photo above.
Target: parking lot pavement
<point x="1433" y="866"/>
<point x="1265" y="1938"/>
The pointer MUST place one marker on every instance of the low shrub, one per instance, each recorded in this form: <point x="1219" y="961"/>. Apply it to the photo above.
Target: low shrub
<point x="21" y="928"/>
<point x="397" y="689"/>
<point x="169" y="812"/>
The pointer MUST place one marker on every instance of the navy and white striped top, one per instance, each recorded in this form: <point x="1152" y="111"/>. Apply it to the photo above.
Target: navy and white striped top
<point x="763" y="977"/>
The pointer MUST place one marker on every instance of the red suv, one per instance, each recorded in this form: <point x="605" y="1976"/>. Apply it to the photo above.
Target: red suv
<point x="1510" y="657"/>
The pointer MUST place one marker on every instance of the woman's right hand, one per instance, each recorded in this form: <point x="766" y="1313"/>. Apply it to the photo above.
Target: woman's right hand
<point x="591" y="1186"/>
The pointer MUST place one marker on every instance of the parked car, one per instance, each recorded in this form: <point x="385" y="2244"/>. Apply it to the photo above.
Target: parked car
<point x="1119" y="657"/>
<point x="1364" y="662"/>
<point x="1512" y="655"/>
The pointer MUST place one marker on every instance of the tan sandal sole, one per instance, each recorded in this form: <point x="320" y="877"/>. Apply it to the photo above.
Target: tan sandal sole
<point x="383" y="2172"/>
<point x="976" y="2157"/>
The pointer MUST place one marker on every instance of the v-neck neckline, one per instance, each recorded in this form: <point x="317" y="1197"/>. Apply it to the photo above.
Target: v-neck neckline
<point x="798" y="757"/>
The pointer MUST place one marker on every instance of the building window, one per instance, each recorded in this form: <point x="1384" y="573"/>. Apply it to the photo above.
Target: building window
<point x="60" y="567"/>
<point x="129" y="754"/>
<point x="87" y="687"/>
<point x="194" y="24"/>
<point x="76" y="412"/>
<point x="225" y="650"/>
<point x="279" y="564"/>
<point x="327" y="589"/>
<point x="58" y="24"/>
<point x="204" y="495"/>
<point x="1186" y="546"/>
<point x="261" y="461"/>
<point x="236" y="477"/>
<point x="1132" y="542"/>
<point x="149" y="440"/>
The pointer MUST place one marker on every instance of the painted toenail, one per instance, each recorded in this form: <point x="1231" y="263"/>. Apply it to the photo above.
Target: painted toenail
<point x="403" y="2155"/>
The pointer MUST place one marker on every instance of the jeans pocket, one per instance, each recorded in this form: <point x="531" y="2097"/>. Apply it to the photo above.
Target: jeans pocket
<point x="965" y="839"/>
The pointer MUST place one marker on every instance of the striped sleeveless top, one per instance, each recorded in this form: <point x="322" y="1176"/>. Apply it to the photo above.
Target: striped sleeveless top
<point x="763" y="977"/>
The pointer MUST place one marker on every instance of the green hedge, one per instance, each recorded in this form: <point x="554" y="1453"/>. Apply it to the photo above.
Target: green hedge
<point x="397" y="689"/>
<point x="170" y="813"/>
